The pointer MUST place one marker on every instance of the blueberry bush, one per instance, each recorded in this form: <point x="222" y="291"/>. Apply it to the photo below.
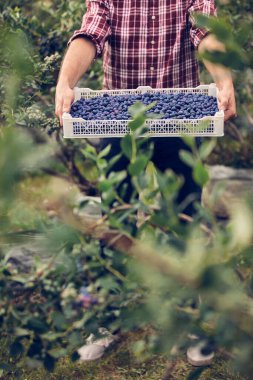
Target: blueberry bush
<point x="158" y="267"/>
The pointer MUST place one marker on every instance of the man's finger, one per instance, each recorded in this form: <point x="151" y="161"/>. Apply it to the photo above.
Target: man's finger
<point x="223" y="103"/>
<point x="58" y="108"/>
<point x="65" y="108"/>
<point x="67" y="104"/>
<point x="58" y="112"/>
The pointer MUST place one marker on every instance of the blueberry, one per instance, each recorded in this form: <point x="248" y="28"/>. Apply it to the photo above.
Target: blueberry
<point x="180" y="106"/>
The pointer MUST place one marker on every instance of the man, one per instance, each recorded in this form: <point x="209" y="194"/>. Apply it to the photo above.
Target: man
<point x="146" y="43"/>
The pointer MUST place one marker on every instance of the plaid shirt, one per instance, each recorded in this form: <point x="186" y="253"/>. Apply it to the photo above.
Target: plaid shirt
<point x="146" y="42"/>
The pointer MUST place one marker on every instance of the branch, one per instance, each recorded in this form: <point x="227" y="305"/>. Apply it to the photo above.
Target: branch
<point x="234" y="132"/>
<point x="81" y="181"/>
<point x="55" y="173"/>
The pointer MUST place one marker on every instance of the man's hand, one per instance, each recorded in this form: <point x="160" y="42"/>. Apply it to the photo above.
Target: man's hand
<point x="64" y="97"/>
<point x="79" y="56"/>
<point x="226" y="99"/>
<point x="221" y="75"/>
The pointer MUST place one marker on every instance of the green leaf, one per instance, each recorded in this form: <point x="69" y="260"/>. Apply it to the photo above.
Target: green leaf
<point x="137" y="122"/>
<point x="113" y="161"/>
<point x="89" y="152"/>
<point x="218" y="26"/>
<point x="117" y="177"/>
<point x="108" y="283"/>
<point x="59" y="320"/>
<point x="200" y="174"/>
<point x="126" y="146"/>
<point x="233" y="59"/>
<point x="243" y="34"/>
<point x="105" y="185"/>
<point x="138" y="166"/>
<point x="154" y="115"/>
<point x="139" y="108"/>
<point x="58" y="352"/>
<point x="50" y="336"/>
<point x="105" y="151"/>
<point x="189" y="141"/>
<point x="21" y="332"/>
<point x="150" y="106"/>
<point x="136" y="109"/>
<point x="37" y="325"/>
<point x="81" y="322"/>
<point x="206" y="148"/>
<point x="22" y="280"/>
<point x="187" y="158"/>
<point x="75" y="339"/>
<point x="159" y="220"/>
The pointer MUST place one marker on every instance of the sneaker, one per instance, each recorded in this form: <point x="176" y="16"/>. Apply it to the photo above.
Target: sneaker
<point x="95" y="348"/>
<point x="200" y="354"/>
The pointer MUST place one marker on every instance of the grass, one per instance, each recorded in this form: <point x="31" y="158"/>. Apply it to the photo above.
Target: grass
<point x="37" y="201"/>
<point x="120" y="364"/>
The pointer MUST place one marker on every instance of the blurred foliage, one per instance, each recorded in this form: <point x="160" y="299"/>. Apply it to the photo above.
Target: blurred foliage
<point x="179" y="277"/>
<point x="234" y="29"/>
<point x="48" y="25"/>
<point x="33" y="40"/>
<point x="198" y="278"/>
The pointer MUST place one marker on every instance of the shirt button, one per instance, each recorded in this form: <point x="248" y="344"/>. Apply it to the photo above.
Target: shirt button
<point x="152" y="68"/>
<point x="152" y="42"/>
<point x="153" y="17"/>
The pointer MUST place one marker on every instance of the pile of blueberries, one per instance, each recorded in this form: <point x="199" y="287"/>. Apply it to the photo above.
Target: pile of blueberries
<point x="168" y="105"/>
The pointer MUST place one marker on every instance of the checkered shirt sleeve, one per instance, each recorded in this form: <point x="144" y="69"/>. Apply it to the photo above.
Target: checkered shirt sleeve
<point x="95" y="25"/>
<point x="205" y="7"/>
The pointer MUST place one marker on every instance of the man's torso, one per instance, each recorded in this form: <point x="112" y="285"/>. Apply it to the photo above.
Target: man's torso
<point x="149" y="45"/>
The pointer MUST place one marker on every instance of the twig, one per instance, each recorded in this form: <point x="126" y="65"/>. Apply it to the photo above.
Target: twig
<point x="189" y="219"/>
<point x="132" y="247"/>
<point x="240" y="274"/>
<point x="43" y="99"/>
<point x="85" y="185"/>
<point x="228" y="355"/>
<point x="234" y="132"/>
<point x="115" y="272"/>
<point x="103" y="219"/>
<point x="250" y="118"/>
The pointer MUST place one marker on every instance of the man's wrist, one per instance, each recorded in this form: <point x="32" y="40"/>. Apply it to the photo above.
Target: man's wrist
<point x="62" y="84"/>
<point x="224" y="82"/>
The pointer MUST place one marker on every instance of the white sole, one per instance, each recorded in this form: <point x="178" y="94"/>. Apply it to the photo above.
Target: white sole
<point x="196" y="358"/>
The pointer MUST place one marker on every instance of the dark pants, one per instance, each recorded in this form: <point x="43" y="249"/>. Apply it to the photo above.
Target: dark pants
<point x="165" y="156"/>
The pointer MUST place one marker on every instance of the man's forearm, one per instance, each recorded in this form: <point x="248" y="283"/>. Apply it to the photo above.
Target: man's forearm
<point x="221" y="75"/>
<point x="78" y="58"/>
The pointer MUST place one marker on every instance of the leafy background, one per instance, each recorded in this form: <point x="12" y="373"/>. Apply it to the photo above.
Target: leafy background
<point x="56" y="284"/>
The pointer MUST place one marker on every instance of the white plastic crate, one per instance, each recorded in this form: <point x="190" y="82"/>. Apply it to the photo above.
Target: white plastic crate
<point x="206" y="126"/>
